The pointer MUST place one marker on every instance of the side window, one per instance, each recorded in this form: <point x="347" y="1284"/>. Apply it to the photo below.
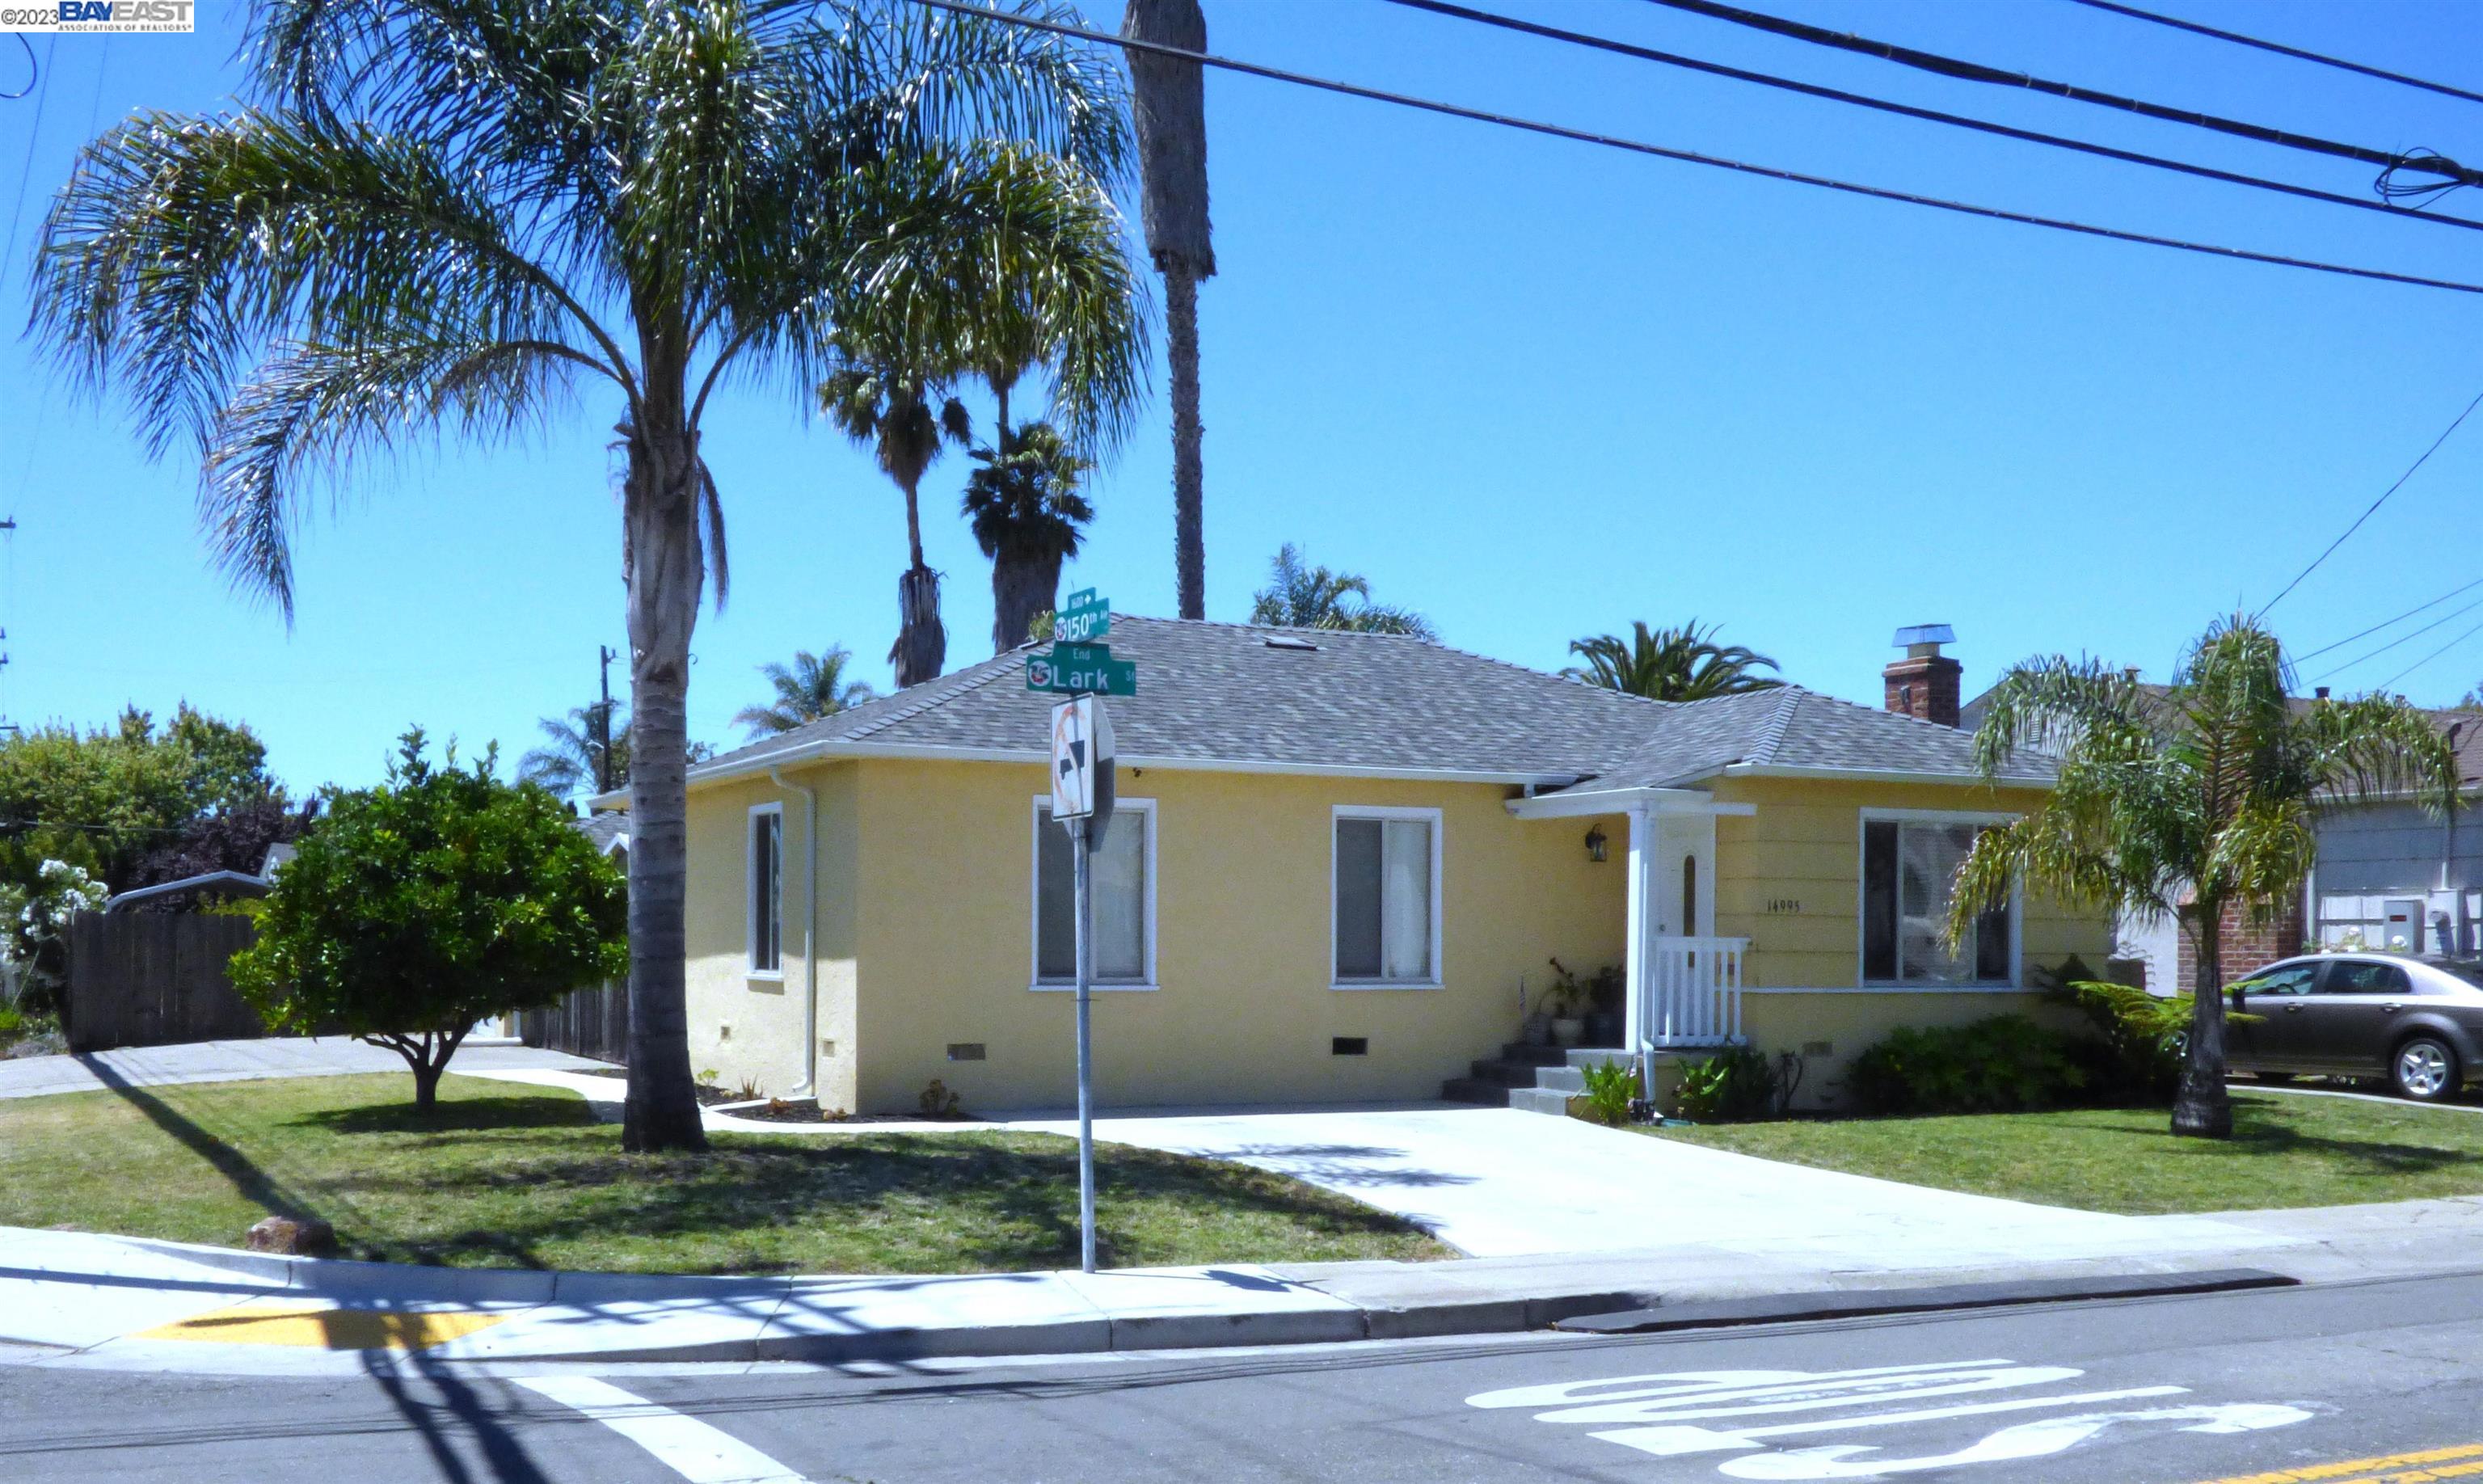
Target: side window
<point x="2292" y="979"/>
<point x="765" y="918"/>
<point x="1387" y="898"/>
<point x="2358" y="976"/>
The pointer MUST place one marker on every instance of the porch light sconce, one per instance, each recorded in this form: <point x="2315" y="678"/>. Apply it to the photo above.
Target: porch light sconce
<point x="1595" y="843"/>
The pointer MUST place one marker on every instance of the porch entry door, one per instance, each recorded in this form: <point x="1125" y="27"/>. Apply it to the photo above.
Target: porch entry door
<point x="1684" y="879"/>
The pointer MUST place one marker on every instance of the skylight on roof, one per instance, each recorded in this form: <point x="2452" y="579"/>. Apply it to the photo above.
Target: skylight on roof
<point x="1288" y="642"/>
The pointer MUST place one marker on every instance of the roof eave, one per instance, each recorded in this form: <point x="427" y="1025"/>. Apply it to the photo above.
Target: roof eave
<point x="1942" y="776"/>
<point x="833" y="750"/>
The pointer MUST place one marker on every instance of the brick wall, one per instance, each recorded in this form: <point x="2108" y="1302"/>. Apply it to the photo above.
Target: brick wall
<point x="2245" y="944"/>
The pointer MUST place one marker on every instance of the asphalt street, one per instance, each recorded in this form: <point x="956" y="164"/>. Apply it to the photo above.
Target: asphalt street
<point x="2282" y="1384"/>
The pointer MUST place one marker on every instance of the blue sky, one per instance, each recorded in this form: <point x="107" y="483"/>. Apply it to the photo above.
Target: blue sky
<point x="1532" y="388"/>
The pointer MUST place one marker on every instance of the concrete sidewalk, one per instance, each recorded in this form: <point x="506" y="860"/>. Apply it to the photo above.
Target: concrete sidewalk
<point x="128" y="1303"/>
<point x="242" y="1061"/>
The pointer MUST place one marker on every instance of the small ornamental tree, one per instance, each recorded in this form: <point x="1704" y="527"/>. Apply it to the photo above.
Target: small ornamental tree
<point x="418" y="907"/>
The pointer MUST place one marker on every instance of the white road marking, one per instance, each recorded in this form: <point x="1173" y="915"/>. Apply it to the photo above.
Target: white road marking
<point x="1668" y="1405"/>
<point x="1668" y="1441"/>
<point x="689" y="1447"/>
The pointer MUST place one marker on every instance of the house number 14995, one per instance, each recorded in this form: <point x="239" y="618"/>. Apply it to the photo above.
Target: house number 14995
<point x="1784" y="904"/>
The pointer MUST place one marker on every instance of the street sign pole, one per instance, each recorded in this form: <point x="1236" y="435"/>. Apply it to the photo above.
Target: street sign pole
<point x="1082" y="907"/>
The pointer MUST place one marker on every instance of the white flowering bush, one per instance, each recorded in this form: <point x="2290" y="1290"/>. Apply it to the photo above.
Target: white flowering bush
<point x="36" y="920"/>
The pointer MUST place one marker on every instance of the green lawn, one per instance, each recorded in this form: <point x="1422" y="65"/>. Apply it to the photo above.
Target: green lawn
<point x="2285" y="1152"/>
<point x="500" y="1176"/>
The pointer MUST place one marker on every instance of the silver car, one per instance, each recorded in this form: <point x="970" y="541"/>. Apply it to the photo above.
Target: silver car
<point x="2417" y="1021"/>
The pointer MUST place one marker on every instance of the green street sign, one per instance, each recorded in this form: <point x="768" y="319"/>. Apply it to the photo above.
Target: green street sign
<point x="1082" y="618"/>
<point x="1082" y="669"/>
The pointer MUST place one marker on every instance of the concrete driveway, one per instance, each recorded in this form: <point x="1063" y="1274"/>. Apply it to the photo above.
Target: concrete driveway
<point x="1497" y="1182"/>
<point x="241" y="1061"/>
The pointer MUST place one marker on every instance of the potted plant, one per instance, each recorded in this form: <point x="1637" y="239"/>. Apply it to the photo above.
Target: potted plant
<point x="1567" y="1000"/>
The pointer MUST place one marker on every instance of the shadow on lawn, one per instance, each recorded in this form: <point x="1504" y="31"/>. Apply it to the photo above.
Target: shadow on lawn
<point x="2265" y="1130"/>
<point x="961" y="1202"/>
<point x="464" y="1115"/>
<point x="254" y="1184"/>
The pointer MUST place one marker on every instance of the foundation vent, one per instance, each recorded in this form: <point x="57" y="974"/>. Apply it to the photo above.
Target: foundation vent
<point x="1348" y="1046"/>
<point x="965" y="1051"/>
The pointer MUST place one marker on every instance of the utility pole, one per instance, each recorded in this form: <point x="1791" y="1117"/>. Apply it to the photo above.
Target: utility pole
<point x="603" y="720"/>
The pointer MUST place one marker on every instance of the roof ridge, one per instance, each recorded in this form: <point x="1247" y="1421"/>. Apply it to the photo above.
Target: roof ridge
<point x="1773" y="735"/>
<point x="1445" y="649"/>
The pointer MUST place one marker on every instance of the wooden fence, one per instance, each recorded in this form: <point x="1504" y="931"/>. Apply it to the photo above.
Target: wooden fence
<point x="143" y="978"/>
<point x="589" y="1022"/>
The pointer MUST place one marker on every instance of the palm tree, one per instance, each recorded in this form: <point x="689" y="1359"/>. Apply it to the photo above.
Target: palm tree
<point x="889" y="389"/>
<point x="1026" y="509"/>
<point x="1299" y="595"/>
<point x="813" y="686"/>
<point x="586" y="750"/>
<point x="1670" y="664"/>
<point x="439" y="215"/>
<point x="1050" y="286"/>
<point x="1168" y="96"/>
<point x="2210" y="790"/>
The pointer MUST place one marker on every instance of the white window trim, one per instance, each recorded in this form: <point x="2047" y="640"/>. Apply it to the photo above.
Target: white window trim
<point x="750" y="895"/>
<point x="1343" y="811"/>
<point x="1862" y="905"/>
<point x="1040" y="809"/>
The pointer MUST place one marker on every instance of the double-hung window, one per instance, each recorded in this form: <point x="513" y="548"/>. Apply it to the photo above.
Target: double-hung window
<point x="1386" y="885"/>
<point x="1908" y="878"/>
<point x="766" y="878"/>
<point x="1120" y="875"/>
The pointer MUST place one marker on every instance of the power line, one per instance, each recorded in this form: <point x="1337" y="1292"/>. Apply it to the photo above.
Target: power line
<point x="42" y="92"/>
<point x="2449" y="617"/>
<point x="2279" y="48"/>
<point x="2389" y="160"/>
<point x="1691" y="157"/>
<point x="33" y="71"/>
<point x="2428" y="659"/>
<point x="1928" y="115"/>
<point x="2374" y="505"/>
<point x="2388" y="623"/>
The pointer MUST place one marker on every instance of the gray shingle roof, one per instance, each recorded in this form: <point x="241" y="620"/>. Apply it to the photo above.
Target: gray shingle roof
<point x="1246" y="695"/>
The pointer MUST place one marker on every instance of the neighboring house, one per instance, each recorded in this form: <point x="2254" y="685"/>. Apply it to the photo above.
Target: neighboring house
<point x="190" y="892"/>
<point x="1339" y="867"/>
<point x="2392" y="874"/>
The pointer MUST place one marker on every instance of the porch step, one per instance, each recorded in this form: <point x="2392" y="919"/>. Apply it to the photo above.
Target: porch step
<point x="1526" y="1055"/>
<point x="1504" y="1073"/>
<point x="1539" y="1100"/>
<point x="1475" y="1090"/>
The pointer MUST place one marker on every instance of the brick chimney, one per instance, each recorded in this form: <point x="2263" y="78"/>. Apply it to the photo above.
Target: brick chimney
<point x="1924" y="684"/>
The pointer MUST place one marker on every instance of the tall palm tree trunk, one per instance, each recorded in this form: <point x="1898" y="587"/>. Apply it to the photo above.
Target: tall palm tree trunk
<point x="2202" y="1110"/>
<point x="922" y="647"/>
<point x="665" y="573"/>
<point x="1022" y="587"/>
<point x="1188" y="476"/>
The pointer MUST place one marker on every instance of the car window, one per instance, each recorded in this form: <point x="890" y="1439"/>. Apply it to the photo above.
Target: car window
<point x="2289" y="979"/>
<point x="2359" y="976"/>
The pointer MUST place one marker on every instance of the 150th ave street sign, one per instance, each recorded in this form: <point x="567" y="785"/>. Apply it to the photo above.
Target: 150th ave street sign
<point x="1083" y="618"/>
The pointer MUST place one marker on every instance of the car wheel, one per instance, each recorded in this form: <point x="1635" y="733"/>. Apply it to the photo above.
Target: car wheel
<point x="2425" y="1070"/>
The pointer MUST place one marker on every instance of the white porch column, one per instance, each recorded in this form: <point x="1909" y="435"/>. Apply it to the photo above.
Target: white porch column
<point x="1639" y="955"/>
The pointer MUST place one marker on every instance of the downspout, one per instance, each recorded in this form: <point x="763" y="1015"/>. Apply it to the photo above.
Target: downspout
<point x="809" y="1086"/>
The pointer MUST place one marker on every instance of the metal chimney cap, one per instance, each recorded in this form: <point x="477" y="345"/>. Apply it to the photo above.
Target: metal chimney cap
<point x="1924" y="634"/>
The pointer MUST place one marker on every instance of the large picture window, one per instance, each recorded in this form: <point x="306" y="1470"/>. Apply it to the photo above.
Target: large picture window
<point x="1121" y="875"/>
<point x="1909" y="870"/>
<point x="1387" y="889"/>
<point x="766" y="878"/>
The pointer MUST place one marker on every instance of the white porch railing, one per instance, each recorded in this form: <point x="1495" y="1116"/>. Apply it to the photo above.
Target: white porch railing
<point x="1692" y="991"/>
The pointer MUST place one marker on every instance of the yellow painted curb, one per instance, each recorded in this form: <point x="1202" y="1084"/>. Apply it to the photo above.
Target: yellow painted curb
<point x="314" y="1325"/>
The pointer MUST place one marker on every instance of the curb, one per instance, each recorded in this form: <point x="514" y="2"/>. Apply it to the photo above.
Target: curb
<point x="1798" y="1308"/>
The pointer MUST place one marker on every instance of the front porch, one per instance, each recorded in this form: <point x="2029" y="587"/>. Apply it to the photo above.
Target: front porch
<point x="1683" y="981"/>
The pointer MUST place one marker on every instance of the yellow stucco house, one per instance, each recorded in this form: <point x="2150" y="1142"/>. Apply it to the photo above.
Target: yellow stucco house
<point x="1339" y="866"/>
